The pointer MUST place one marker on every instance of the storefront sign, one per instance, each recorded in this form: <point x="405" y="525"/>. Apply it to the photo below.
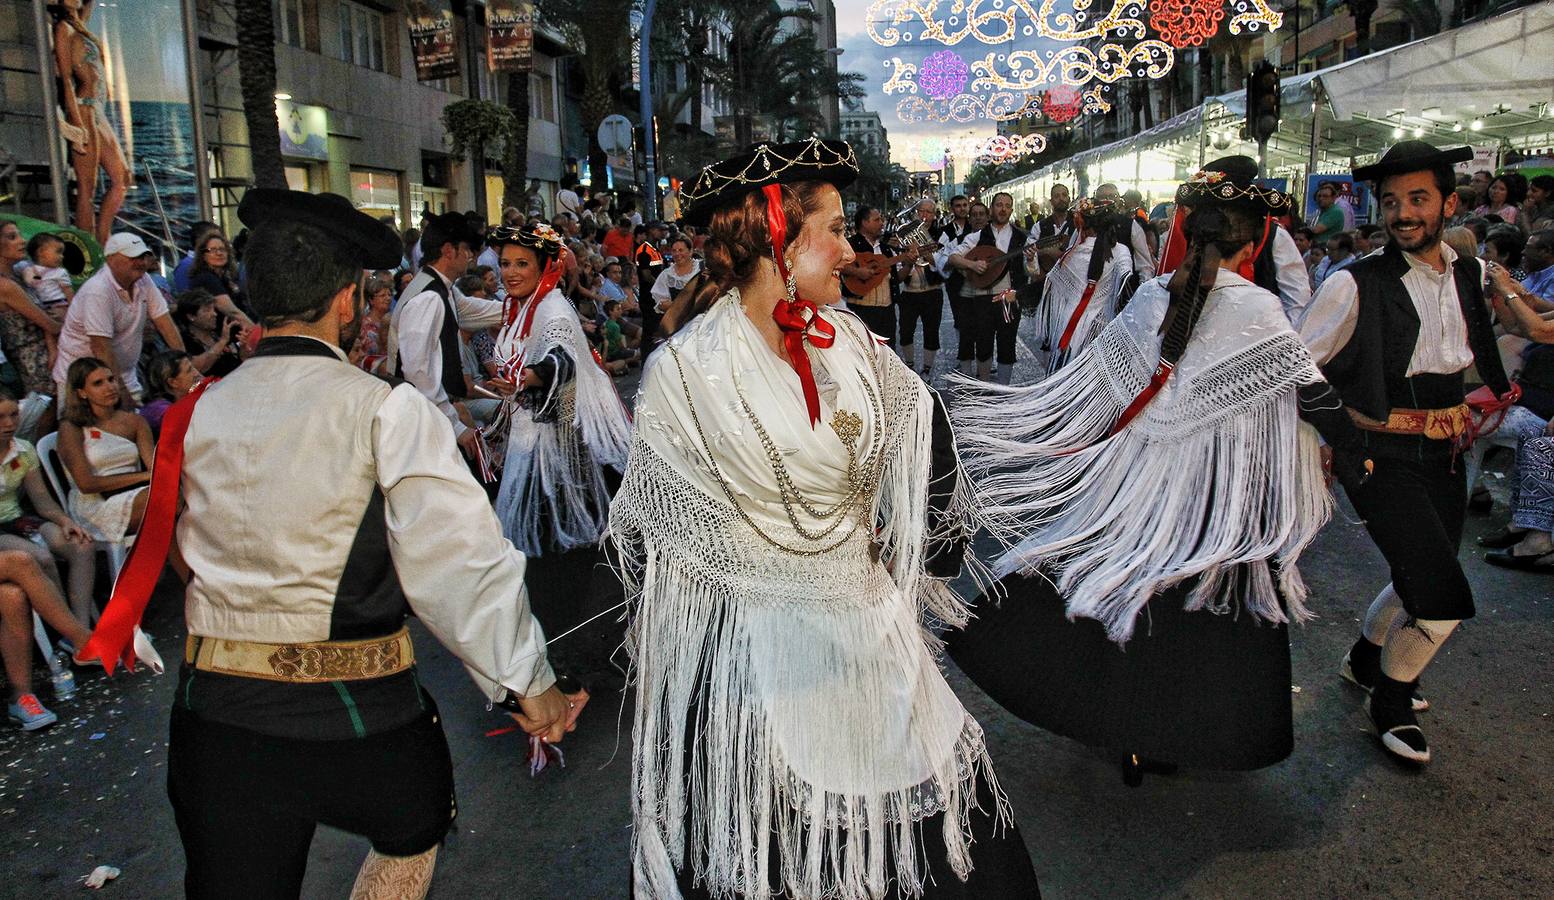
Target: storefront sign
<point x="509" y="35"/>
<point x="432" y="40"/>
<point x="304" y="130"/>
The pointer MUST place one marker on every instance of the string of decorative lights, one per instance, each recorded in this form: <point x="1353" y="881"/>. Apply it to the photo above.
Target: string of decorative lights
<point x="1076" y="65"/>
<point x="1001" y="21"/>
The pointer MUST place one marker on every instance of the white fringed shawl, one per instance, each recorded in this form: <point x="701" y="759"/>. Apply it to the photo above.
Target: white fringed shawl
<point x="552" y="471"/>
<point x="1064" y="287"/>
<point x="778" y="694"/>
<point x="1215" y="480"/>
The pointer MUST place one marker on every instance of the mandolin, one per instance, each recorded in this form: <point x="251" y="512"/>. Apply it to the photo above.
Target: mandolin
<point x="877" y="263"/>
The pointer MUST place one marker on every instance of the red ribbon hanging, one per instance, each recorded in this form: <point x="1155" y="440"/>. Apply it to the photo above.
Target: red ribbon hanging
<point x="1248" y="267"/>
<point x="113" y="640"/>
<point x="1175" y="249"/>
<point x="1156" y="382"/>
<point x="1079" y="311"/>
<point x="799" y="319"/>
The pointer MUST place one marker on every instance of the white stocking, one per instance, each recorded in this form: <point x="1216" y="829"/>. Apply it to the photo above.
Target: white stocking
<point x="395" y="877"/>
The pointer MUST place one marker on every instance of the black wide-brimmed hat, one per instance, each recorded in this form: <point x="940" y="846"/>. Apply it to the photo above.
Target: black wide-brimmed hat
<point x="1412" y="156"/>
<point x="455" y="227"/>
<point x="1231" y="180"/>
<point x="373" y="242"/>
<point x="721" y="184"/>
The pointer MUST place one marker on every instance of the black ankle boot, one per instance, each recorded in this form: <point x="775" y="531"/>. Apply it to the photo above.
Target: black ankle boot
<point x="1393" y="715"/>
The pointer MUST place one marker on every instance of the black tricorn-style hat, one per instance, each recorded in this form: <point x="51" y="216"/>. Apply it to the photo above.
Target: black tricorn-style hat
<point x="1231" y="180"/>
<point x="540" y="237"/>
<point x="455" y="227"/>
<point x="374" y="242"/>
<point x="766" y="163"/>
<point x="1411" y="156"/>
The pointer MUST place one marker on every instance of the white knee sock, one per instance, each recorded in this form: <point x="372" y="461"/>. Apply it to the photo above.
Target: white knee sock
<point x="1411" y="644"/>
<point x="928" y="356"/>
<point x="909" y="353"/>
<point x="1378" y="619"/>
<point x="395" y="877"/>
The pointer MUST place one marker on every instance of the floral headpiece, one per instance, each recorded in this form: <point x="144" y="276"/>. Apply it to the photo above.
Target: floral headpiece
<point x="540" y="237"/>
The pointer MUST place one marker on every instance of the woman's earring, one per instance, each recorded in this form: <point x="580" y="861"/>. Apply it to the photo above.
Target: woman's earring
<point x="793" y="288"/>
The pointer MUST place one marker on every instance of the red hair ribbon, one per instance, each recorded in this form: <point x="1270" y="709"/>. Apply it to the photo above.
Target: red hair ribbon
<point x="798" y="318"/>
<point x="1156" y="382"/>
<point x="1175" y="249"/>
<point x="1079" y="311"/>
<point x="1248" y="267"/>
<point x="510" y="368"/>
<point x="113" y="641"/>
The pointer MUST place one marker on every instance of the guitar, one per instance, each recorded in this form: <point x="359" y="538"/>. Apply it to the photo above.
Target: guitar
<point x="879" y="265"/>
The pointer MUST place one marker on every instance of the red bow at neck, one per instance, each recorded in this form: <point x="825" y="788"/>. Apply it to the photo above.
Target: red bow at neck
<point x="798" y="318"/>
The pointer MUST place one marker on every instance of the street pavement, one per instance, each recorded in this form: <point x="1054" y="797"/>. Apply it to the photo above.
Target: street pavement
<point x="1337" y="819"/>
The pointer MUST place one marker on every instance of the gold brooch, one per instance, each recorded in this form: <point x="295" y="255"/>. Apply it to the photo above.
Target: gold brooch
<point x="848" y="426"/>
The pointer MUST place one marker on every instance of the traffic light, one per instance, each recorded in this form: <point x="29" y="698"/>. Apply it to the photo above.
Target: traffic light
<point x="1262" y="102"/>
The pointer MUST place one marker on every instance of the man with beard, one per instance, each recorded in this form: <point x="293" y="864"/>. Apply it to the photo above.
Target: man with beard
<point x="1138" y="243"/>
<point x="995" y="315"/>
<point x="950" y="235"/>
<point x="1396" y="358"/>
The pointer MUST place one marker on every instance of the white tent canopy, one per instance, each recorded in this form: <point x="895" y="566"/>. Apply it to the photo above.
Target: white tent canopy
<point x="1486" y="82"/>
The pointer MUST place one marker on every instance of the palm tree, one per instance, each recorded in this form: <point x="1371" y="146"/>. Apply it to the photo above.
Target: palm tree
<point x="600" y="30"/>
<point x="778" y="72"/>
<point x="515" y="159"/>
<point x="256" y="76"/>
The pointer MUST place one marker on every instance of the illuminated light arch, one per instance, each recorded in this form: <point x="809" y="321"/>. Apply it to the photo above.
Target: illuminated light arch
<point x="1252" y="15"/>
<point x="995" y="22"/>
<point x="943" y="74"/>
<point x="1186" y="23"/>
<point x="1025" y="70"/>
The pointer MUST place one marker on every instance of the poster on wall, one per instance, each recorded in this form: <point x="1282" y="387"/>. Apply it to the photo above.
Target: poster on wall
<point x="432" y="40"/>
<point x="124" y="114"/>
<point x="509" y="35"/>
<point x="1485" y="159"/>
<point x="1351" y="202"/>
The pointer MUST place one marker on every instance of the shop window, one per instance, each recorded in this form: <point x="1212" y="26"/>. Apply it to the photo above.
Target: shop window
<point x="542" y="96"/>
<point x="375" y="193"/>
<point x="297" y="178"/>
<point x="294" y="23"/>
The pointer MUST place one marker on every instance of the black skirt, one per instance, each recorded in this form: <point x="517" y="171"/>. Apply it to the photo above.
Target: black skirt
<point x="1195" y="689"/>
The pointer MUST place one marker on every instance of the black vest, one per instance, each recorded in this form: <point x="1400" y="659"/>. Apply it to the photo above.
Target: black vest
<point x="1017" y="277"/>
<point x="447" y="336"/>
<point x="1371" y="371"/>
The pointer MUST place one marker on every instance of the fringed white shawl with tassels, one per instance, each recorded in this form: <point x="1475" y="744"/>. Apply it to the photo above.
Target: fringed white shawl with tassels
<point x="1065" y="286"/>
<point x="787" y="698"/>
<point x="553" y="494"/>
<point x="1215" y="480"/>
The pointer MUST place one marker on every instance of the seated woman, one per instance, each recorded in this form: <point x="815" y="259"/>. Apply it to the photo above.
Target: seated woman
<point x="21" y="471"/>
<point x="170" y="376"/>
<point x="214" y="342"/>
<point x="371" y="347"/>
<point x="215" y="272"/>
<point x="24" y="589"/>
<point x="106" y="450"/>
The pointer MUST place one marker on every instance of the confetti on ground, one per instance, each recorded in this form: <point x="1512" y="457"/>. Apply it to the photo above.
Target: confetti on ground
<point x="496" y="731"/>
<point x="100" y="876"/>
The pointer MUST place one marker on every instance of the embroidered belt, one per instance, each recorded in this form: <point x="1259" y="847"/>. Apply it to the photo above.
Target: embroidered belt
<point x="310" y="663"/>
<point x="1436" y="424"/>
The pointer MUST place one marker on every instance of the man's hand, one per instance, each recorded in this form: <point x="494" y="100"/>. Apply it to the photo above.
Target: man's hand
<point x="544" y="715"/>
<point x="979" y="266"/>
<point x="468" y="441"/>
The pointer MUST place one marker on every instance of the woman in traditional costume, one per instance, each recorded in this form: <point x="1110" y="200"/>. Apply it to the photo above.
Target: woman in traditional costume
<point x="1153" y="498"/>
<point x="1081" y="294"/>
<point x="789" y="518"/>
<point x="566" y="436"/>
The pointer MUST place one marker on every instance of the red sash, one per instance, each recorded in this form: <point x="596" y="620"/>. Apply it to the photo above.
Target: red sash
<point x="113" y="640"/>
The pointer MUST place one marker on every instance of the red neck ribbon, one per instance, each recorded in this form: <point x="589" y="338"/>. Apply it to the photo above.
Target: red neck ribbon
<point x="798" y="318"/>
<point x="510" y="368"/>
<point x="114" y="639"/>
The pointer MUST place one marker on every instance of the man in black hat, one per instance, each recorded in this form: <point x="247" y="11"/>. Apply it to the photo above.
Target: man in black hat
<point x="1394" y="333"/>
<point x="648" y="260"/>
<point x="321" y="507"/>
<point x="424" y="343"/>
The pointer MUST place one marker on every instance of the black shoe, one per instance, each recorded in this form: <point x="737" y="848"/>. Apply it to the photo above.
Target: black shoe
<point x="1503" y="539"/>
<point x="1481" y="502"/>
<point x="1362" y="668"/>
<point x="1510" y="559"/>
<point x="1395" y="722"/>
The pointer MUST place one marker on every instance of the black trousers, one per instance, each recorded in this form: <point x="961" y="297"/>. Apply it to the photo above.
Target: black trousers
<point x="1414" y="510"/>
<point x="927" y="306"/>
<point x="992" y="332"/>
<point x="880" y="319"/>
<point x="247" y="804"/>
<point x="965" y="328"/>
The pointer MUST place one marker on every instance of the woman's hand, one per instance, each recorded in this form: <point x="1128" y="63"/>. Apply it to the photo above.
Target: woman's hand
<point x="74" y="533"/>
<point x="530" y="379"/>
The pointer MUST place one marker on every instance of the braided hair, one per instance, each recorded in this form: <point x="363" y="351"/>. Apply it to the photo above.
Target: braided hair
<point x="1213" y="233"/>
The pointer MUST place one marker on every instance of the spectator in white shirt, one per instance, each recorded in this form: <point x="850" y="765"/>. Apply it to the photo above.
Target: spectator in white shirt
<point x="107" y="319"/>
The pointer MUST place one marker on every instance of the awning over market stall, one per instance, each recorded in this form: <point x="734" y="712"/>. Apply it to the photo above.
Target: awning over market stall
<point x="1486" y="83"/>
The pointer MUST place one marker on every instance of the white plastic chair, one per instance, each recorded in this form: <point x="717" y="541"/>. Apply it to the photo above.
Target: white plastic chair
<point x="59" y="482"/>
